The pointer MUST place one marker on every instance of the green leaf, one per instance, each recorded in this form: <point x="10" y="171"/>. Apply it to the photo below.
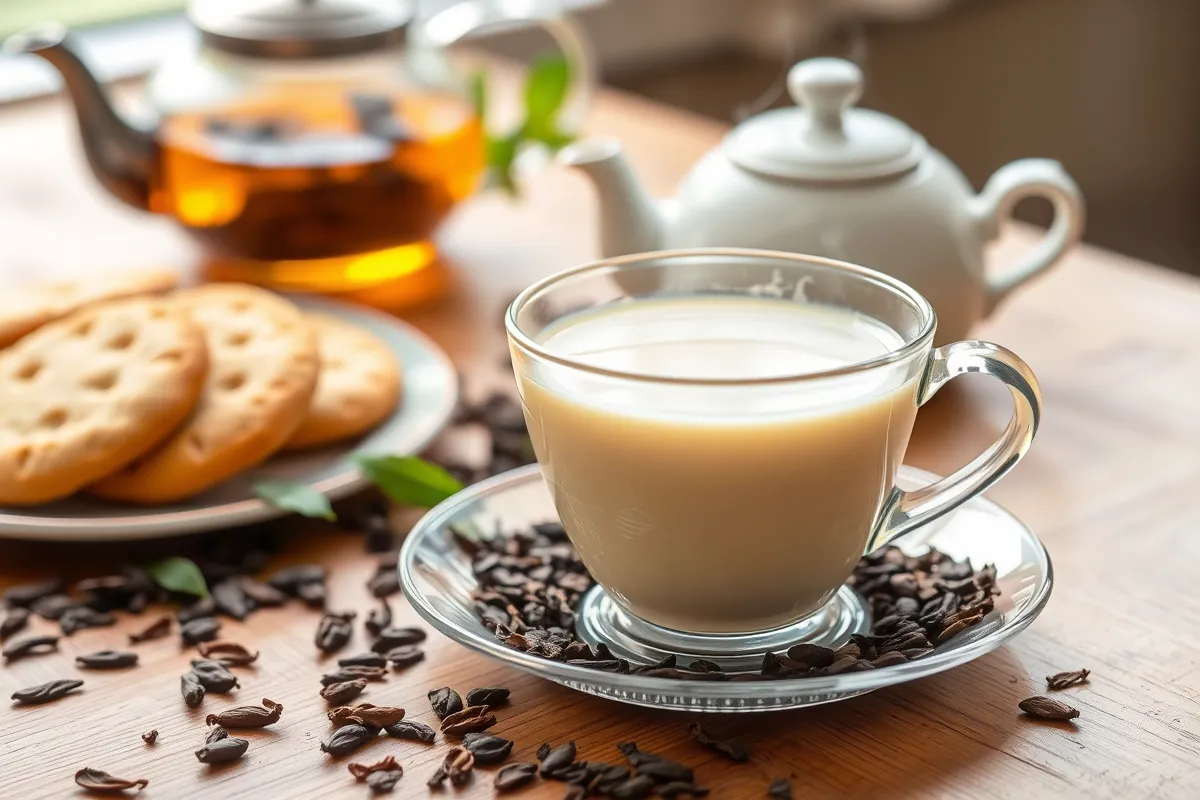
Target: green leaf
<point x="501" y="155"/>
<point x="409" y="480"/>
<point x="545" y="90"/>
<point x="546" y="86"/>
<point x="299" y="498"/>
<point x="502" y="152"/>
<point x="551" y="137"/>
<point x="477" y="92"/>
<point x="178" y="574"/>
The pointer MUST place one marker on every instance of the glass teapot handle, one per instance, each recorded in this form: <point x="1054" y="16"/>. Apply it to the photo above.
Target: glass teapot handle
<point x="428" y="37"/>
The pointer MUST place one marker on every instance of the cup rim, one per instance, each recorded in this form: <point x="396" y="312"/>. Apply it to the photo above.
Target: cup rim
<point x="918" y="342"/>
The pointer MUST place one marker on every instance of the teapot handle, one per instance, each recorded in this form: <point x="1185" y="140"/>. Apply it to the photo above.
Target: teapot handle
<point x="463" y="18"/>
<point x="1030" y="177"/>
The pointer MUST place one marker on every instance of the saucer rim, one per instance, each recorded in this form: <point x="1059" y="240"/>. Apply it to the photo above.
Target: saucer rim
<point x="852" y="683"/>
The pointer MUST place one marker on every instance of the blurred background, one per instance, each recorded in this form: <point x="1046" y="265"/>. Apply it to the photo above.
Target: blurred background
<point x="1108" y="87"/>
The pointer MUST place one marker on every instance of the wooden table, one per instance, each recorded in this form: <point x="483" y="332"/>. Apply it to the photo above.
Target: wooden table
<point x="1110" y="486"/>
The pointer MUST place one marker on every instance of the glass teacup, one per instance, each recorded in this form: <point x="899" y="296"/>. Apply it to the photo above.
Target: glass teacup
<point x="721" y="430"/>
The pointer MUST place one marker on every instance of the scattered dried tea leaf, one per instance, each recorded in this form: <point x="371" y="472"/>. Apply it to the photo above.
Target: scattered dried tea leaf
<point x="15" y="620"/>
<point x="404" y="656"/>
<point x="734" y="751"/>
<point x="150" y="736"/>
<point x="515" y="776"/>
<point x="663" y="769"/>
<point x="487" y="749"/>
<point x="289" y="580"/>
<point x="490" y="696"/>
<point x="343" y="674"/>
<point x="214" y="676"/>
<point x="204" y="607"/>
<point x="191" y="689"/>
<point x="391" y="638"/>
<point x="367" y="714"/>
<point x="377" y="660"/>
<point x="633" y="788"/>
<point x="457" y="766"/>
<point x="263" y="595"/>
<point x="107" y="659"/>
<point x="379" y="619"/>
<point x="557" y="759"/>
<point x="230" y="654"/>
<point x="247" y="716"/>
<point x="45" y="692"/>
<point x="780" y="789"/>
<point x="80" y="617"/>
<point x="230" y="600"/>
<point x="1061" y="680"/>
<point x="341" y="693"/>
<point x="53" y="606"/>
<point x="313" y="594"/>
<point x="222" y="751"/>
<point x="361" y="771"/>
<point x="202" y="629"/>
<point x="334" y="631"/>
<point x="347" y="739"/>
<point x="155" y="630"/>
<point x="26" y="594"/>
<point x="1042" y="707"/>
<point x="384" y="781"/>
<point x="100" y="782"/>
<point x="411" y="730"/>
<point x="470" y="720"/>
<point x="384" y="583"/>
<point x="29" y="646"/>
<point x="445" y="701"/>
<point x="381" y="776"/>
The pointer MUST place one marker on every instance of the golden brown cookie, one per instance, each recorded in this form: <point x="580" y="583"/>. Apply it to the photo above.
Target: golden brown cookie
<point x="358" y="388"/>
<point x="86" y="394"/>
<point x="27" y="308"/>
<point x="263" y="370"/>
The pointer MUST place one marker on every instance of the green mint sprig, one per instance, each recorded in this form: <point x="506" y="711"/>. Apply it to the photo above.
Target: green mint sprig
<point x="546" y="86"/>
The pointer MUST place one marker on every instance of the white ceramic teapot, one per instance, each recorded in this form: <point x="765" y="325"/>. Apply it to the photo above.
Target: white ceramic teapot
<point x="848" y="183"/>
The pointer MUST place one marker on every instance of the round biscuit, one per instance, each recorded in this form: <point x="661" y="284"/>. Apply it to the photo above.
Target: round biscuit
<point x="26" y="308"/>
<point x="263" y="370"/>
<point x="85" y="395"/>
<point x="359" y="385"/>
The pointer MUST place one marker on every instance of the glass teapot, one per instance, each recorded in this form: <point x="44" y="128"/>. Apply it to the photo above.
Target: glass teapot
<point x="298" y="144"/>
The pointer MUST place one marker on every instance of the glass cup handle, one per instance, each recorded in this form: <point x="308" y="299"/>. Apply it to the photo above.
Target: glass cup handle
<point x="463" y="18"/>
<point x="905" y="511"/>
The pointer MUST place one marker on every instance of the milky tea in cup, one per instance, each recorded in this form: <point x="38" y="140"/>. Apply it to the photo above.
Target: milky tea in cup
<point x="721" y="459"/>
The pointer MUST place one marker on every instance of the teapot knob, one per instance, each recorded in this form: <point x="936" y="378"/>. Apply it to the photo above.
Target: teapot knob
<point x="826" y="87"/>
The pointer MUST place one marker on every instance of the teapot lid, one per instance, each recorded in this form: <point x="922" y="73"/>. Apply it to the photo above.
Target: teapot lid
<point x="299" y="28"/>
<point x="825" y="138"/>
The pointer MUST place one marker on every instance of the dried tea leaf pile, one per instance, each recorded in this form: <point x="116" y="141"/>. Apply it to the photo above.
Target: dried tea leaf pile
<point x="529" y="583"/>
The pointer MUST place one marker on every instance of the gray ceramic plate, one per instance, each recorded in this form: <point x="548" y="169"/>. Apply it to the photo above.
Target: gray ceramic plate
<point x="437" y="580"/>
<point x="430" y="393"/>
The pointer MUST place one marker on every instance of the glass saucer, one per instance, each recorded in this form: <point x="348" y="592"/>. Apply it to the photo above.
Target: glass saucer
<point x="437" y="580"/>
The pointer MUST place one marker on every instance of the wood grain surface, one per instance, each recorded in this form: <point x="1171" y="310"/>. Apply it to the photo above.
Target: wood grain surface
<point x="1110" y="486"/>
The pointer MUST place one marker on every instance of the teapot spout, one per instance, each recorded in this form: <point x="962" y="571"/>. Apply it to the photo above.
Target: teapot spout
<point x="119" y="153"/>
<point x="630" y="222"/>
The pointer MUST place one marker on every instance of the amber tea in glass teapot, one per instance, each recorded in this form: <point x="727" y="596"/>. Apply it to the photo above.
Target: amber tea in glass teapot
<point x="299" y="144"/>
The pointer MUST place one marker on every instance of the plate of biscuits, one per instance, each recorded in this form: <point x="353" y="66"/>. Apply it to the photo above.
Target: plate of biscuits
<point x="132" y="409"/>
